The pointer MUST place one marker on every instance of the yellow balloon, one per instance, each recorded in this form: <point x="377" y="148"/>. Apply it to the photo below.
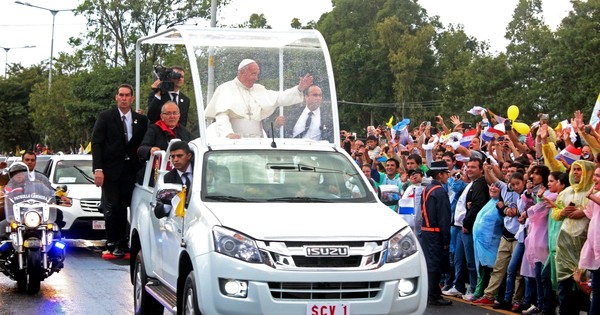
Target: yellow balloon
<point x="513" y="112"/>
<point x="521" y="128"/>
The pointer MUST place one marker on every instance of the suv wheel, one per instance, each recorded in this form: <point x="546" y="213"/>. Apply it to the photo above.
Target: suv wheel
<point x="144" y="303"/>
<point x="190" y="296"/>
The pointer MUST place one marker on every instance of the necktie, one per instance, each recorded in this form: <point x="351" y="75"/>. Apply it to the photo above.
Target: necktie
<point x="306" y="125"/>
<point x="174" y="97"/>
<point x="308" y="121"/>
<point x="124" y="120"/>
<point x="187" y="182"/>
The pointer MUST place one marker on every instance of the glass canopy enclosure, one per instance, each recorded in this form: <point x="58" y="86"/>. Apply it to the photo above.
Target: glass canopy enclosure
<point x="284" y="57"/>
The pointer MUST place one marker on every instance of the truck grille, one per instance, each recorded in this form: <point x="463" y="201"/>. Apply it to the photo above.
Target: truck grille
<point x="324" y="290"/>
<point x="294" y="256"/>
<point x="90" y="205"/>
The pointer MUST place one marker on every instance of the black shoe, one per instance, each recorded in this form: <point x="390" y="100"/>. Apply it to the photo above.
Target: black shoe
<point x="503" y="305"/>
<point x="118" y="252"/>
<point x="440" y="302"/>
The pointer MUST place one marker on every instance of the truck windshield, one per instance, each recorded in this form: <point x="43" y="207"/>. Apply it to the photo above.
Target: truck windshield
<point x="282" y="176"/>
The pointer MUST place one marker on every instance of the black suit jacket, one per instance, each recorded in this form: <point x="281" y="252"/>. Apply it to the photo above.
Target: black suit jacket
<point x="155" y="137"/>
<point x="109" y="148"/>
<point x="172" y="177"/>
<point x="155" y="105"/>
<point x="292" y="114"/>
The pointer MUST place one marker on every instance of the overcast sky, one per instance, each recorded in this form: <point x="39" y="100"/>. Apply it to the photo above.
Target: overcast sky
<point x="22" y="25"/>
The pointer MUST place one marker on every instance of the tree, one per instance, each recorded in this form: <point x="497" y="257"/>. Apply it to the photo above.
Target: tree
<point x="17" y="129"/>
<point x="114" y="26"/>
<point x="571" y="68"/>
<point x="529" y="45"/>
<point x="256" y="21"/>
<point x="362" y="72"/>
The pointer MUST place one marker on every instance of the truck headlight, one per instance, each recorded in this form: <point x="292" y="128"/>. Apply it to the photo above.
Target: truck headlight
<point x="32" y="219"/>
<point x="401" y="245"/>
<point x="236" y="245"/>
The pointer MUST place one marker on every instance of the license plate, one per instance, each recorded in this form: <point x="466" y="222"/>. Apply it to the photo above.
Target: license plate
<point x="98" y="225"/>
<point x="32" y="243"/>
<point x="327" y="309"/>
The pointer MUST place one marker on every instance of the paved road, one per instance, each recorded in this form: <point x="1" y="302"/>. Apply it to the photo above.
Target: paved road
<point x="89" y="285"/>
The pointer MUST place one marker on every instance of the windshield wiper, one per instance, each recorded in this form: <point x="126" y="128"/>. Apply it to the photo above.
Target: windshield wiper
<point x="298" y="199"/>
<point x="225" y="198"/>
<point x="86" y="176"/>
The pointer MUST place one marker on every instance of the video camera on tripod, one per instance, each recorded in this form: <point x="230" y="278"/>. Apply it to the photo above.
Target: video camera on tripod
<point x="167" y="77"/>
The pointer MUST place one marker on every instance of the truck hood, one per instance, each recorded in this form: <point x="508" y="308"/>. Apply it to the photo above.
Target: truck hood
<point x="309" y="221"/>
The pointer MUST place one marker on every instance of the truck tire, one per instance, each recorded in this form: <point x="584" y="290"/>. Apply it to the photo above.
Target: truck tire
<point x="143" y="302"/>
<point x="190" y="296"/>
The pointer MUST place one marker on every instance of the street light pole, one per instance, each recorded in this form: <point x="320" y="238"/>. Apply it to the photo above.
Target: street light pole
<point x="7" y="49"/>
<point x="53" y="12"/>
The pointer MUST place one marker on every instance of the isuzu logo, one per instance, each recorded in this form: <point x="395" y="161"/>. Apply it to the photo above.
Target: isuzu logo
<point x="327" y="251"/>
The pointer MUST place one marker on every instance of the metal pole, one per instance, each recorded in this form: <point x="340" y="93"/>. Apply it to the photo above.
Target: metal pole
<point x="51" y="50"/>
<point x="6" y="56"/>
<point x="6" y="61"/>
<point x="53" y="12"/>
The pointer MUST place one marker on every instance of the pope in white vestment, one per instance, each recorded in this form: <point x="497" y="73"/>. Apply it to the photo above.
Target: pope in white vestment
<point x="238" y="106"/>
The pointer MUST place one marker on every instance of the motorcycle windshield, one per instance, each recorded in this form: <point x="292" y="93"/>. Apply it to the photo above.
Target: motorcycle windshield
<point x="29" y="192"/>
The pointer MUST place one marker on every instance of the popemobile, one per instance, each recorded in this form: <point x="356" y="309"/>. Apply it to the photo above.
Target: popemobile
<point x="276" y="218"/>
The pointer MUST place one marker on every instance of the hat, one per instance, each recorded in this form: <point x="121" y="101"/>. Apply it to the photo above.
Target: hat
<point x="570" y="154"/>
<point x="245" y="62"/>
<point x="416" y="171"/>
<point x="439" y="166"/>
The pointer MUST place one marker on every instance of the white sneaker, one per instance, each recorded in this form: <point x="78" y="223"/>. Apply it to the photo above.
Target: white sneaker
<point x="469" y="297"/>
<point x="452" y="292"/>
<point x="531" y="310"/>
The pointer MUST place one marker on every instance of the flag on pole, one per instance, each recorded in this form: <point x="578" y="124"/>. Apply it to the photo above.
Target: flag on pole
<point x="465" y="141"/>
<point x="498" y="119"/>
<point x="179" y="203"/>
<point x="491" y="133"/>
<point x="88" y="149"/>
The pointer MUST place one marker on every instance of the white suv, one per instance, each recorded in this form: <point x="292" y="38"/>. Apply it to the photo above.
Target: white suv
<point x="82" y="219"/>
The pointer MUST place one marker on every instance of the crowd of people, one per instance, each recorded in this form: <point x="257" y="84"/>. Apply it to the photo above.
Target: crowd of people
<point x="520" y="227"/>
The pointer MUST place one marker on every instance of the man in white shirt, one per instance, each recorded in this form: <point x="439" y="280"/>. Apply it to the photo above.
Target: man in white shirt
<point x="238" y="106"/>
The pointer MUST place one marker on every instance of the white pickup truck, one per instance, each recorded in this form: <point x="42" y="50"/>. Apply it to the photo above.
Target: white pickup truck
<point x="272" y="225"/>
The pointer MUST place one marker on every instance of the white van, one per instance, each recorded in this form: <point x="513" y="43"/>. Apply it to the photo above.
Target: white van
<point x="273" y="225"/>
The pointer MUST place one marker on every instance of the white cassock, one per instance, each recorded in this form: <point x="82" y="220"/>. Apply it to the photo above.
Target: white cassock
<point x="238" y="109"/>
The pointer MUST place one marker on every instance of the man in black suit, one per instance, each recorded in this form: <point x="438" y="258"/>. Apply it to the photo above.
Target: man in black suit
<point x="311" y="121"/>
<point x="181" y="158"/>
<point x="156" y="100"/>
<point x="115" y="139"/>
<point x="163" y="131"/>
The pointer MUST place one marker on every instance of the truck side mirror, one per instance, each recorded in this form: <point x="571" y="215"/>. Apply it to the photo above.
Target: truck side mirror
<point x="160" y="211"/>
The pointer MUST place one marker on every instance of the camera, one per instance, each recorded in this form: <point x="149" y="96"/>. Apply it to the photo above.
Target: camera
<point x="508" y="124"/>
<point x="467" y="125"/>
<point x="167" y="76"/>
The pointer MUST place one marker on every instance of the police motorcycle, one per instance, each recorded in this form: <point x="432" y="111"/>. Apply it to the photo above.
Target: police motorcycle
<point x="31" y="249"/>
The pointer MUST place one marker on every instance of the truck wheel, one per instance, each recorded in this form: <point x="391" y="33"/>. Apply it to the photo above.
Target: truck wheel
<point x="143" y="302"/>
<point x="190" y="296"/>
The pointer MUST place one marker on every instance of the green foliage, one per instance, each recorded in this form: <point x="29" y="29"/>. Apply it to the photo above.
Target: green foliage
<point x="387" y="54"/>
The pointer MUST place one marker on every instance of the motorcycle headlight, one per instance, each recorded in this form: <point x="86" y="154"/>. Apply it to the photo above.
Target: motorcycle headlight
<point x="32" y="219"/>
<point x="401" y="245"/>
<point x="236" y="245"/>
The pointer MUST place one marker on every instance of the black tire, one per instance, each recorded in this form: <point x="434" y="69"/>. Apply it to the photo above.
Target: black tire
<point x="143" y="302"/>
<point x="189" y="302"/>
<point x="34" y="271"/>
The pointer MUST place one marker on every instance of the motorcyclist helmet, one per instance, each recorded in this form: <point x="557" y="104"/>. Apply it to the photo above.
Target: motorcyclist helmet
<point x="17" y="167"/>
